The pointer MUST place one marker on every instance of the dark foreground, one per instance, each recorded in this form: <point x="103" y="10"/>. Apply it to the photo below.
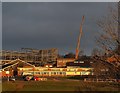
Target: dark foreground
<point x="60" y="85"/>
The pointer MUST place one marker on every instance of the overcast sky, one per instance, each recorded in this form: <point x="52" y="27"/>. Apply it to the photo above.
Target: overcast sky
<point x="51" y="25"/>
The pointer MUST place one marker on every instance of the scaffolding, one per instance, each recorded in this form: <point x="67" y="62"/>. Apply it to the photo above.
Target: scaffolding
<point x="31" y="55"/>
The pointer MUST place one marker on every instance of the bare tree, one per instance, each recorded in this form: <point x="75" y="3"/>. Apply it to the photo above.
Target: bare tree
<point x="97" y="52"/>
<point x="109" y="42"/>
<point x="109" y="38"/>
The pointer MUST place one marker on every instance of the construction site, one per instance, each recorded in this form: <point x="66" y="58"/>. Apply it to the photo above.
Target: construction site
<point x="44" y="62"/>
<point x="29" y="58"/>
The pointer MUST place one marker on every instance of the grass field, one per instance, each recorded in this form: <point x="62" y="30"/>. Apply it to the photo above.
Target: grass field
<point x="61" y="85"/>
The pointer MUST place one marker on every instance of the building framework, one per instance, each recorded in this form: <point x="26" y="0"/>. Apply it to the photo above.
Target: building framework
<point x="31" y="55"/>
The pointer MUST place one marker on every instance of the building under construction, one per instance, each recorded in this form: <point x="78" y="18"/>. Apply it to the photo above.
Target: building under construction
<point x="31" y="55"/>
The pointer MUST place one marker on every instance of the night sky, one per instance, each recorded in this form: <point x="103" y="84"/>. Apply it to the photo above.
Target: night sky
<point x="43" y="25"/>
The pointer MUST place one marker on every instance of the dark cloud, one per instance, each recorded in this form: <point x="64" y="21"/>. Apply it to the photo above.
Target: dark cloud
<point x="46" y="25"/>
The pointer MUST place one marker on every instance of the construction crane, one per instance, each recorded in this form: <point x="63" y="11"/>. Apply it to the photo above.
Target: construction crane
<point x="78" y="43"/>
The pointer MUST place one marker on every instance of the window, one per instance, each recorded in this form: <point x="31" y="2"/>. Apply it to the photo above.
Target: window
<point x="60" y="73"/>
<point x="68" y="69"/>
<point x="55" y="73"/>
<point x="41" y="72"/>
<point x="52" y="72"/>
<point x="44" y="72"/>
<point x="75" y="61"/>
<point x="71" y="69"/>
<point x="91" y="62"/>
<point x="64" y="73"/>
<point x="37" y="72"/>
<point x="60" y="69"/>
<point x="47" y="72"/>
<point x="81" y="61"/>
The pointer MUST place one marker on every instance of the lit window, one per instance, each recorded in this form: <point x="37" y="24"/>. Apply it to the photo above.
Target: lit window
<point x="75" y="61"/>
<point x="91" y="62"/>
<point x="81" y="61"/>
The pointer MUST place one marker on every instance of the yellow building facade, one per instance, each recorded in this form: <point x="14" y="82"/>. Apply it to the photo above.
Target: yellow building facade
<point x="42" y="71"/>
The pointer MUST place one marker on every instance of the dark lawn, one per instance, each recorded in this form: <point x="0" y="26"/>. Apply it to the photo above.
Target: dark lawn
<point x="59" y="85"/>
